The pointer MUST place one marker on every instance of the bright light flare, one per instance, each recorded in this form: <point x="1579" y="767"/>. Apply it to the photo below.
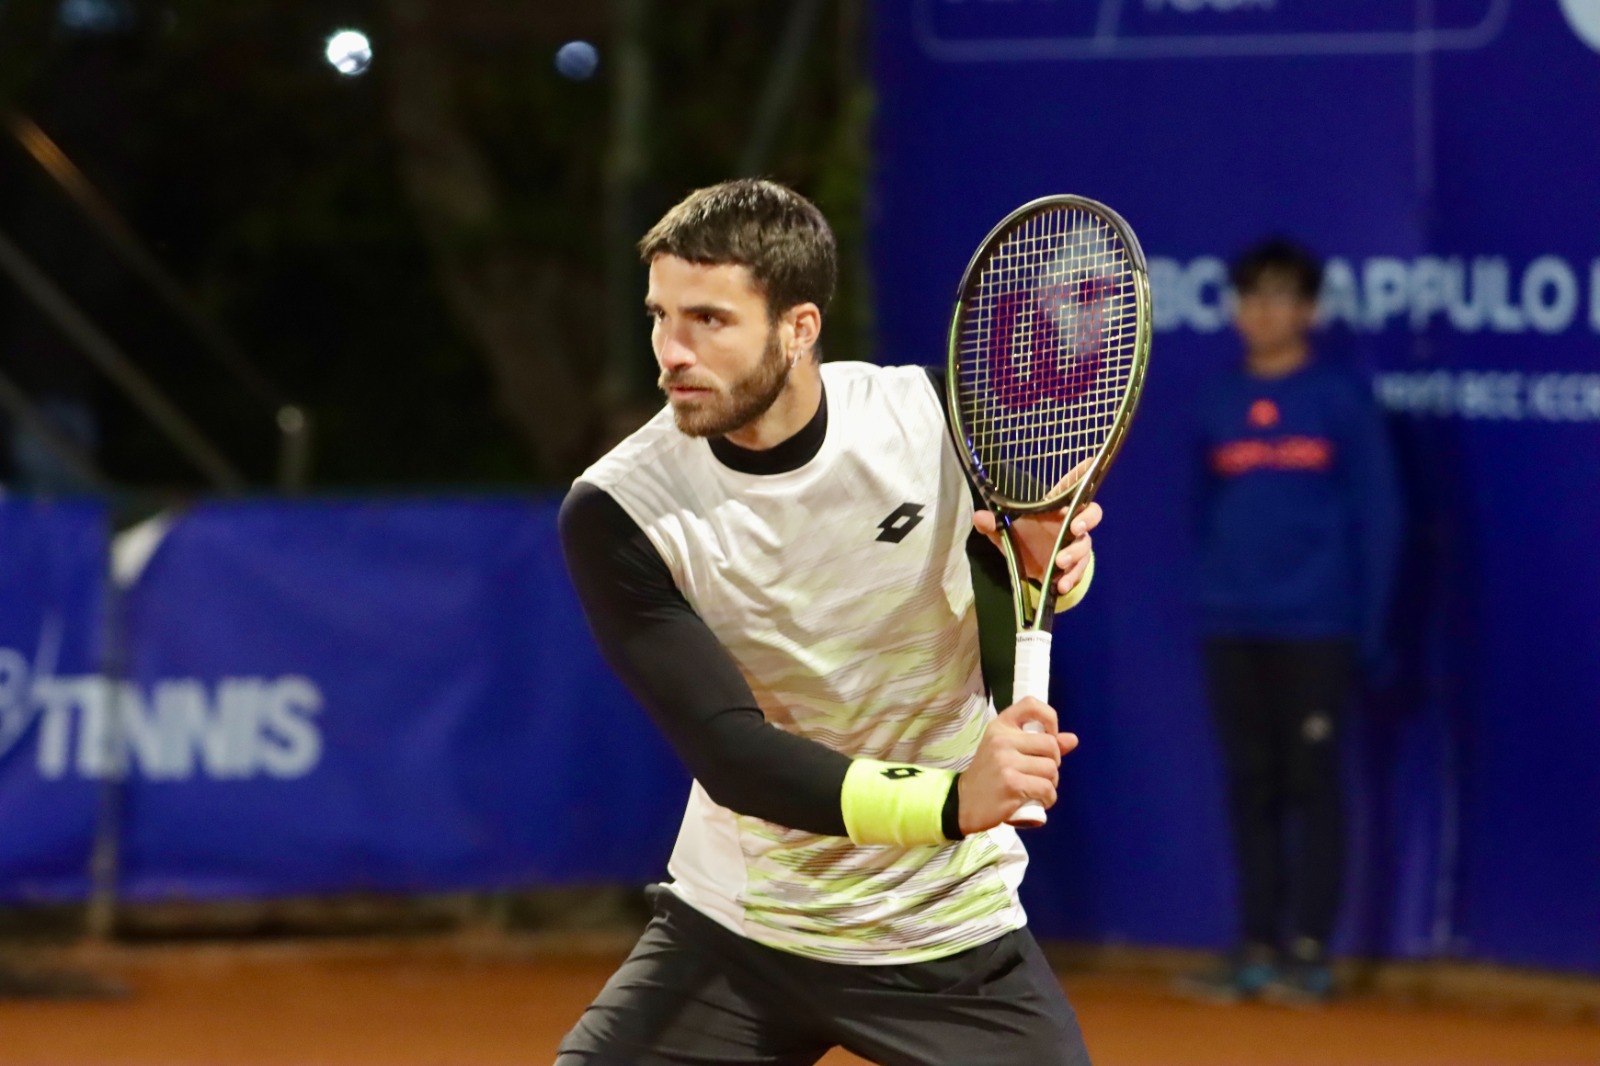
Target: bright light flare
<point x="349" y="52"/>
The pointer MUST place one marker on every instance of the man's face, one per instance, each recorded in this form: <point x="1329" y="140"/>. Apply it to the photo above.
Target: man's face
<point x="722" y="362"/>
<point x="1274" y="315"/>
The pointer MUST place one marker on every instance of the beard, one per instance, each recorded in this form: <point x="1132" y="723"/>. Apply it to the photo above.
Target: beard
<point x="725" y="409"/>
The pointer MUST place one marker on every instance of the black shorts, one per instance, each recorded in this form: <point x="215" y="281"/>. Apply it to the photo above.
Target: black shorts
<point x="695" y="992"/>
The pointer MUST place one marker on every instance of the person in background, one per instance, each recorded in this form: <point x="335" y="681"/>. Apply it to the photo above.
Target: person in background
<point x="1299" y="536"/>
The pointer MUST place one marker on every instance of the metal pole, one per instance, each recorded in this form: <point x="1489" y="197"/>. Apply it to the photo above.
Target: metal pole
<point x="105" y="854"/>
<point x="98" y="210"/>
<point x="294" y="425"/>
<point x="294" y="455"/>
<point x="116" y="365"/>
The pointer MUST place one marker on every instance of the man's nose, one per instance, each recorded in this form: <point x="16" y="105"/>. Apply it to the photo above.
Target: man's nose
<point x="674" y="354"/>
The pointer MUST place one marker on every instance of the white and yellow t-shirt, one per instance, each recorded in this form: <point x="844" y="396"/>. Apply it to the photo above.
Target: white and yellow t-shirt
<point x="843" y="592"/>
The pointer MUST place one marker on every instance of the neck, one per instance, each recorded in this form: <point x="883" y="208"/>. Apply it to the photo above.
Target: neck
<point x="789" y="413"/>
<point x="1278" y="361"/>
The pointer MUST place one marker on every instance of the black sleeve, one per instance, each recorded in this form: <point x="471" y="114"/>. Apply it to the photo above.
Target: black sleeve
<point x="686" y="680"/>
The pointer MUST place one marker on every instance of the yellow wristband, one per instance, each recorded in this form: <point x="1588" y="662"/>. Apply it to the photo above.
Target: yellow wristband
<point x="892" y="803"/>
<point x="1064" y="601"/>
<point x="1076" y="594"/>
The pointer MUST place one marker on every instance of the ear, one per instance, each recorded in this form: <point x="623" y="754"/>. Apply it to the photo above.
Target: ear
<point x="804" y="323"/>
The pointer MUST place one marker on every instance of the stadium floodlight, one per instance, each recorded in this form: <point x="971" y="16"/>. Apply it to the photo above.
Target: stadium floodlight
<point x="349" y="52"/>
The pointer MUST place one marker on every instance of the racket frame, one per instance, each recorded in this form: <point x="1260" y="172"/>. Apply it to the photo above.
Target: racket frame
<point x="1081" y="493"/>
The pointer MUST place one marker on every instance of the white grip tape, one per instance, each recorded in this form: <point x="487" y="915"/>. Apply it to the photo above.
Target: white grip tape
<point x="1032" y="674"/>
<point x="1031" y="677"/>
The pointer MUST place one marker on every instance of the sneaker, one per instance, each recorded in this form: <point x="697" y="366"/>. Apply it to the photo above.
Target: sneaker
<point x="1301" y="984"/>
<point x="1240" y="978"/>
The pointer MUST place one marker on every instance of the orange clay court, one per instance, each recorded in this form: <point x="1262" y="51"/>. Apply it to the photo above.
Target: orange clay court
<point x="459" y="1003"/>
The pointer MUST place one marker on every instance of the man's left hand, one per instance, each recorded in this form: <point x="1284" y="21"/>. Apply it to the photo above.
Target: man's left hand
<point x="1037" y="535"/>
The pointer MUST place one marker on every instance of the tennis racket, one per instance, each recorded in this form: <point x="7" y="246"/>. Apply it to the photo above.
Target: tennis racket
<point x="1048" y="348"/>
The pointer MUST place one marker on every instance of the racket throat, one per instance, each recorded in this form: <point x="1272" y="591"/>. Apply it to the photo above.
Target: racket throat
<point x="1033" y="605"/>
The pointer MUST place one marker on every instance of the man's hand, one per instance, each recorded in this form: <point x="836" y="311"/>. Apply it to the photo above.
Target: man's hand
<point x="1037" y="534"/>
<point x="1012" y="766"/>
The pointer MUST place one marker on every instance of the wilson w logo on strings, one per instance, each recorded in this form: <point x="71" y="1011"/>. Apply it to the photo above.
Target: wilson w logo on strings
<point x="1046" y="343"/>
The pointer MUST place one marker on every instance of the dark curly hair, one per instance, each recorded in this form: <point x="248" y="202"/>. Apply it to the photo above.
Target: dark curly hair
<point x="1277" y="257"/>
<point x="773" y="230"/>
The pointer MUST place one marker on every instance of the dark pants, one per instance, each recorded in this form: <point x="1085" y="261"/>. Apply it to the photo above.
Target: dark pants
<point x="1278" y="706"/>
<point x="693" y="992"/>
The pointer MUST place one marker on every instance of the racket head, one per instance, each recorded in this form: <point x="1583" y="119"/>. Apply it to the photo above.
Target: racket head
<point x="1047" y="353"/>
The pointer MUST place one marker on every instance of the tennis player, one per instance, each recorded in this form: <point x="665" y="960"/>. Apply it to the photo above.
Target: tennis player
<point x="777" y="566"/>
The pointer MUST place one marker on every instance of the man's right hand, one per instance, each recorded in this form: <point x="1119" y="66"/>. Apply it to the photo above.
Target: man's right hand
<point x="1013" y="766"/>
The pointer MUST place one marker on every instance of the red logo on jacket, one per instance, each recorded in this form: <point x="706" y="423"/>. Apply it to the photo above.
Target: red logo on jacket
<point x="1286" y="453"/>
<point x="1263" y="414"/>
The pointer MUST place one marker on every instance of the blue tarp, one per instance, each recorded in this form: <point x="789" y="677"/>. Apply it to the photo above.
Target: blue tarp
<point x="1443" y="157"/>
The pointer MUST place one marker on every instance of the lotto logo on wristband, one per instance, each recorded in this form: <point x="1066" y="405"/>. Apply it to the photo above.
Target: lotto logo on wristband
<point x="900" y="773"/>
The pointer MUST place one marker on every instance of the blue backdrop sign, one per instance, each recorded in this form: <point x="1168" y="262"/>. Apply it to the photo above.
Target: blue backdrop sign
<point x="321" y="697"/>
<point x="386" y="695"/>
<point x="52" y="582"/>
<point x="1443" y="157"/>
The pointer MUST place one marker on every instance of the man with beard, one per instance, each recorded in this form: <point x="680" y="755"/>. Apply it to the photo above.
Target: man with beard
<point x="777" y="566"/>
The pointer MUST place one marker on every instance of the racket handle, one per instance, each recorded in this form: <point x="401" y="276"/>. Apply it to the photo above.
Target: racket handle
<point x="1031" y="677"/>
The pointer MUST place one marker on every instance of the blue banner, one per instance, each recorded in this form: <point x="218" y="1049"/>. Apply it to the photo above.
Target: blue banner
<point x="332" y="697"/>
<point x="52" y="623"/>
<point x="1440" y="157"/>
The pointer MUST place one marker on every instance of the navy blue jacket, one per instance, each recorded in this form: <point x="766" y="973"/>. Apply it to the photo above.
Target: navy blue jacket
<point x="1299" y="507"/>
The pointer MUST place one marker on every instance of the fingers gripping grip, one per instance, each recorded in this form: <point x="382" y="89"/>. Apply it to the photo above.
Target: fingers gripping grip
<point x="1031" y="678"/>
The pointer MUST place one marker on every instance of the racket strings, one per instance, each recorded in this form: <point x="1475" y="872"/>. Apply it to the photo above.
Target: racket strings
<point x="1047" y="351"/>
